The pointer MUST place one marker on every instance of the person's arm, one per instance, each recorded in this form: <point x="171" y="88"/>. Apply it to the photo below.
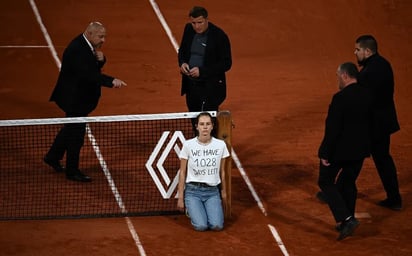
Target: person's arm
<point x="183" y="54"/>
<point x="181" y="186"/>
<point x="333" y="128"/>
<point x="100" y="58"/>
<point x="81" y="67"/>
<point x="223" y="180"/>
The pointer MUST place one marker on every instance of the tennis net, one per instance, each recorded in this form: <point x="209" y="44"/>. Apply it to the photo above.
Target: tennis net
<point x="132" y="160"/>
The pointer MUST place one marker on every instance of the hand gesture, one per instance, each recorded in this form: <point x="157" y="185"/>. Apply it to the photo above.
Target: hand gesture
<point x="99" y="55"/>
<point x="117" y="83"/>
<point x="184" y="69"/>
<point x="324" y="162"/>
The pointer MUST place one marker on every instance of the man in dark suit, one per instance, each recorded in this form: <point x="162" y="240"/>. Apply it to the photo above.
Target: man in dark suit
<point x="77" y="93"/>
<point x="344" y="147"/>
<point x="204" y="56"/>
<point x="377" y="75"/>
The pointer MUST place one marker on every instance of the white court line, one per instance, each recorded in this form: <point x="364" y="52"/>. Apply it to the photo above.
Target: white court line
<point x="234" y="156"/>
<point x="164" y="24"/>
<point x="115" y="192"/>
<point x="106" y="171"/>
<point x="248" y="182"/>
<point x="93" y="142"/>
<point x="45" y="33"/>
<point x="278" y="240"/>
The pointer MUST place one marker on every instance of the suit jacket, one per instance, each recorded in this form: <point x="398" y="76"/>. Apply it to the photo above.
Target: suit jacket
<point x="377" y="75"/>
<point x="347" y="125"/>
<point x="78" y="86"/>
<point x="217" y="59"/>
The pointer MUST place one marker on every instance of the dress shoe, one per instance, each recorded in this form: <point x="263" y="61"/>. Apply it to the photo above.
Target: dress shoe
<point x="321" y="196"/>
<point x="78" y="176"/>
<point x="347" y="228"/>
<point x="395" y="205"/>
<point x="338" y="227"/>
<point x="55" y="164"/>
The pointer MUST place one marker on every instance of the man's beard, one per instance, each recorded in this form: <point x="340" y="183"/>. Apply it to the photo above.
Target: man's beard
<point x="361" y="63"/>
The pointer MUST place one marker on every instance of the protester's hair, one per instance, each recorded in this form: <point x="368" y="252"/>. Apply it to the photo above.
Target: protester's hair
<point x="204" y="114"/>
<point x="368" y="42"/>
<point x="198" y="11"/>
<point x="349" y="68"/>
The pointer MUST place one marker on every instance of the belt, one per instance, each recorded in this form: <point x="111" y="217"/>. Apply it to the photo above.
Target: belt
<point x="201" y="184"/>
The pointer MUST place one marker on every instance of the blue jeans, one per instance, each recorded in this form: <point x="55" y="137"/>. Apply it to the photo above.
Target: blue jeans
<point x="204" y="206"/>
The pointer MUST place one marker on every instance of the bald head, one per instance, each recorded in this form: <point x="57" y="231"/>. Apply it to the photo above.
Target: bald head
<point x="96" y="34"/>
<point x="94" y="26"/>
<point x="347" y="74"/>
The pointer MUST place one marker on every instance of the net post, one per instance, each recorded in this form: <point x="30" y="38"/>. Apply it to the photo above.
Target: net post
<point x="224" y="132"/>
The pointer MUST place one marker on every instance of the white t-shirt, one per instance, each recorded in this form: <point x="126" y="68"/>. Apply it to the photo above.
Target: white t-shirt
<point x="203" y="163"/>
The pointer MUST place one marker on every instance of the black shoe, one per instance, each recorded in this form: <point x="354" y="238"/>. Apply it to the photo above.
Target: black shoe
<point x="321" y="196"/>
<point x="391" y="204"/>
<point x="78" y="176"/>
<point x="338" y="227"/>
<point x="347" y="227"/>
<point x="55" y="164"/>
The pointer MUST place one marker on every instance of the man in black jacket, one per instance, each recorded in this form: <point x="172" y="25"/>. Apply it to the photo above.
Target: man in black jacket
<point x="344" y="147"/>
<point x="377" y="75"/>
<point x="77" y="93"/>
<point x="204" y="56"/>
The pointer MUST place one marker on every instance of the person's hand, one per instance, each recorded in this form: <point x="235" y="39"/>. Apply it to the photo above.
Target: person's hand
<point x="180" y="204"/>
<point x="185" y="69"/>
<point x="223" y="195"/>
<point x="324" y="162"/>
<point x="194" y="72"/>
<point x="117" y="83"/>
<point x="99" y="55"/>
<point x="224" y="199"/>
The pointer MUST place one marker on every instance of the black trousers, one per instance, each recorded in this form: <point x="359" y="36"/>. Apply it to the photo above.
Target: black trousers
<point x="200" y="97"/>
<point x="69" y="140"/>
<point x="385" y="166"/>
<point x="338" y="183"/>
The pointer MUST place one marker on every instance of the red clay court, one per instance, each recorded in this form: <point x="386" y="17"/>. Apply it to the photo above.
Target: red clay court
<point x="285" y="55"/>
